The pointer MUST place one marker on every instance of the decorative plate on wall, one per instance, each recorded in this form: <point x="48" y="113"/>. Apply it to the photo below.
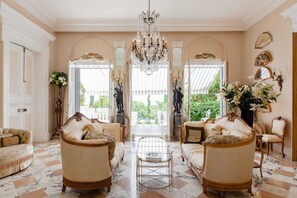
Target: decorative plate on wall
<point x="263" y="59"/>
<point x="264" y="39"/>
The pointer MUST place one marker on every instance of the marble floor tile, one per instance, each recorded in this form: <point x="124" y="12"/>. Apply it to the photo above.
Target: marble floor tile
<point x="44" y="178"/>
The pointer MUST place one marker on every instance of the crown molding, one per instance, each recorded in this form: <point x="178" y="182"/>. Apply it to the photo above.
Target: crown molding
<point x="131" y="25"/>
<point x="260" y="12"/>
<point x="36" y="10"/>
<point x="292" y="13"/>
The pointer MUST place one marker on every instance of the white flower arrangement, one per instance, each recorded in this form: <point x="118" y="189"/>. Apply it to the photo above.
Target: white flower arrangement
<point x="254" y="97"/>
<point x="58" y="78"/>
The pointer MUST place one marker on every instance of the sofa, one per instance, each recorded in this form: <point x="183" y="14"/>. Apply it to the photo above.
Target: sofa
<point x="90" y="163"/>
<point x="224" y="158"/>
<point x="16" y="150"/>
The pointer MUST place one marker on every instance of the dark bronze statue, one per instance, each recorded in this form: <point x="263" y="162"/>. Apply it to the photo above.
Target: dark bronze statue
<point x="177" y="98"/>
<point x="118" y="95"/>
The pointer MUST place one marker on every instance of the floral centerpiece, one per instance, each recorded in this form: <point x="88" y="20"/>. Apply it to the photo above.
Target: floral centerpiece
<point x="59" y="79"/>
<point x="248" y="97"/>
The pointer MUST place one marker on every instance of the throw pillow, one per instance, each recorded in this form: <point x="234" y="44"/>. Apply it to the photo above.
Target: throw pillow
<point x="110" y="140"/>
<point x="9" y="141"/>
<point x="223" y="139"/>
<point x="194" y="134"/>
<point x="93" y="127"/>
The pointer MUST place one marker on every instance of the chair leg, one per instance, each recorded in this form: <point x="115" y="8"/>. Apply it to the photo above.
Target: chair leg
<point x="108" y="187"/>
<point x="183" y="158"/>
<point x="204" y="188"/>
<point x="63" y="188"/>
<point x="268" y="147"/>
<point x="271" y="147"/>
<point x="283" y="145"/>
<point x="250" y="190"/>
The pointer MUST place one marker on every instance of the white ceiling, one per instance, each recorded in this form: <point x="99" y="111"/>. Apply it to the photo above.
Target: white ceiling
<point x="175" y="15"/>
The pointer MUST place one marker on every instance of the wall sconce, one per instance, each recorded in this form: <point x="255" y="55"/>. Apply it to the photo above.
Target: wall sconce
<point x="279" y="79"/>
<point x="177" y="74"/>
<point x="117" y="75"/>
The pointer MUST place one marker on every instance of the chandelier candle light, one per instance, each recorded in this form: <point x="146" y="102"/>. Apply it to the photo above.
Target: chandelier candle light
<point x="148" y="51"/>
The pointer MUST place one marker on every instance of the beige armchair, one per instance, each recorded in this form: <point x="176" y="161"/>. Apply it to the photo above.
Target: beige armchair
<point x="85" y="164"/>
<point x="89" y="164"/>
<point x="277" y="135"/>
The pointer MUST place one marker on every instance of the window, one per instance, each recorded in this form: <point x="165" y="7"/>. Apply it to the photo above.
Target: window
<point x="202" y="81"/>
<point x="89" y="89"/>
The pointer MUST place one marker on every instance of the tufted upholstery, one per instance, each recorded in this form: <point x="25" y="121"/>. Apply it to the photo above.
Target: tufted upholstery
<point x="15" y="158"/>
<point x="217" y="165"/>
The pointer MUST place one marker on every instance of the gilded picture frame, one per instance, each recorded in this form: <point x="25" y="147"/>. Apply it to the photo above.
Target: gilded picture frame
<point x="263" y="59"/>
<point x="263" y="40"/>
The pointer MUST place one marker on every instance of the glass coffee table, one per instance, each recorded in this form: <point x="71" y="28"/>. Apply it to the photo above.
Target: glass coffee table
<point x="153" y="163"/>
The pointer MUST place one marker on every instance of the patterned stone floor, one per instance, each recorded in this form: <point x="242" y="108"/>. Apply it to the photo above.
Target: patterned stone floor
<point x="44" y="178"/>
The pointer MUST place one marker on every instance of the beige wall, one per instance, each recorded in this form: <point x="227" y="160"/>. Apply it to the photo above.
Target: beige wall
<point x="281" y="51"/>
<point x="225" y="45"/>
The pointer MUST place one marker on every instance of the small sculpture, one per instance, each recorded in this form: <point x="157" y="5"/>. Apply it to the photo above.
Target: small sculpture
<point x="177" y="98"/>
<point x="118" y="95"/>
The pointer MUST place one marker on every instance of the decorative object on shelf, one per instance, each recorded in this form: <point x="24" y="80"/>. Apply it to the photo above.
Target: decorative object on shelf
<point x="205" y="56"/>
<point x="279" y="79"/>
<point x="248" y="97"/>
<point x="263" y="59"/>
<point x="263" y="73"/>
<point x="59" y="79"/>
<point x="148" y="50"/>
<point x="264" y="39"/>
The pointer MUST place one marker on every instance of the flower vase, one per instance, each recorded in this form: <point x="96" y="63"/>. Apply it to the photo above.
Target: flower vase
<point x="248" y="116"/>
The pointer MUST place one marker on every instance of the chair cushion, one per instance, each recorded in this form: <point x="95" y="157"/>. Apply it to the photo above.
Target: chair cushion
<point x="118" y="155"/>
<point x="271" y="138"/>
<point x="190" y="149"/>
<point x="223" y="139"/>
<point x="93" y="127"/>
<point x="194" y="134"/>
<point x="9" y="141"/>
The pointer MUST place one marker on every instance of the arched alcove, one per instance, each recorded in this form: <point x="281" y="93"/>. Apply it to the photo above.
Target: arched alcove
<point x="205" y="45"/>
<point x="94" y="45"/>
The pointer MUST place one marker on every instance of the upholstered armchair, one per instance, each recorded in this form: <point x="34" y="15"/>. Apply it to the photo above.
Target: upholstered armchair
<point x="85" y="164"/>
<point x="277" y="135"/>
<point x="89" y="163"/>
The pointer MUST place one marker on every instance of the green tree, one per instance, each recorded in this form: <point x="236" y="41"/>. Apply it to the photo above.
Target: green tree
<point x="102" y="102"/>
<point x="200" y="103"/>
<point x="140" y="108"/>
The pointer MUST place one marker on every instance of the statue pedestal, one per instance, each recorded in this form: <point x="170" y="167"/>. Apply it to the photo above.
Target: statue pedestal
<point x="177" y="121"/>
<point x="121" y="118"/>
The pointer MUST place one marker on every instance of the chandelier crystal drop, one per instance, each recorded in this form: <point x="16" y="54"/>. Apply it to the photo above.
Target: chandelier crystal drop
<point x="148" y="49"/>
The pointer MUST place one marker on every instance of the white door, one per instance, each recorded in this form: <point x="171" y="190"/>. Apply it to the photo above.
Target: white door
<point x="21" y="79"/>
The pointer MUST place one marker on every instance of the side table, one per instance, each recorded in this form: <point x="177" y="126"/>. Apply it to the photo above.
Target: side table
<point x="259" y="148"/>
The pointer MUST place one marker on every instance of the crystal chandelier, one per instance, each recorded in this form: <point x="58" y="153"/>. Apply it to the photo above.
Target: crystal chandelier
<point x="148" y="50"/>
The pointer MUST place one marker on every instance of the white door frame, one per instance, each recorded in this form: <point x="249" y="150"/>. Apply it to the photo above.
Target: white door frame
<point x="18" y="29"/>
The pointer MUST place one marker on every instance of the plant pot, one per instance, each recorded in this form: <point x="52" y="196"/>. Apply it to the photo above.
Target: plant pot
<point x="248" y="116"/>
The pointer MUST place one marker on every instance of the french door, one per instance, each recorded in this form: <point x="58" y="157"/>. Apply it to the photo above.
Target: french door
<point x="21" y="87"/>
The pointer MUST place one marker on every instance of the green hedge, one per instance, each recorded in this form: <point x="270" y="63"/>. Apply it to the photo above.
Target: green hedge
<point x="198" y="109"/>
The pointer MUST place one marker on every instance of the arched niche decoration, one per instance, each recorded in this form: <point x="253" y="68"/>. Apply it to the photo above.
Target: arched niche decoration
<point x="92" y="45"/>
<point x="205" y="45"/>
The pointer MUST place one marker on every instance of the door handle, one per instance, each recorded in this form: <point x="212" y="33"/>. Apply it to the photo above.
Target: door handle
<point x="22" y="110"/>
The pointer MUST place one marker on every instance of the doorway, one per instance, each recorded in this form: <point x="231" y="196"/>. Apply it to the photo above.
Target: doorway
<point x="149" y="102"/>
